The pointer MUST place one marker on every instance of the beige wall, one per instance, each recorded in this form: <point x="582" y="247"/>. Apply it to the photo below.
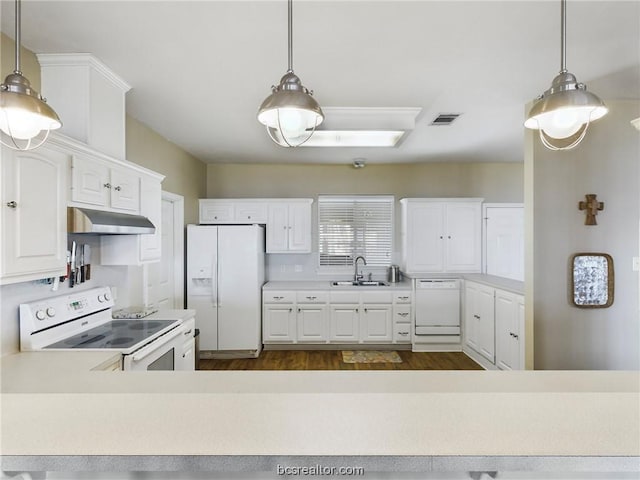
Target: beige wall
<point x="496" y="182"/>
<point x="184" y="174"/>
<point x="29" y="63"/>
<point x="605" y="163"/>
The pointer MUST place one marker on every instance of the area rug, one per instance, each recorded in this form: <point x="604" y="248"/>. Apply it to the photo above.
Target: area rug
<point x="370" y="356"/>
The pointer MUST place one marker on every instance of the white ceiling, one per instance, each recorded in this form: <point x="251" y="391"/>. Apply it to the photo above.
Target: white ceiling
<point x="200" y="70"/>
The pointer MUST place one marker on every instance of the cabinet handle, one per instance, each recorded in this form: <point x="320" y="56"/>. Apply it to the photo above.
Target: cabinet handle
<point x="187" y="333"/>
<point x="118" y="188"/>
<point x="12" y="204"/>
<point x="403" y="298"/>
<point x="107" y="185"/>
<point x="290" y="310"/>
<point x="311" y="298"/>
<point x="404" y="334"/>
<point x="278" y="298"/>
<point x="403" y="314"/>
<point x="477" y="316"/>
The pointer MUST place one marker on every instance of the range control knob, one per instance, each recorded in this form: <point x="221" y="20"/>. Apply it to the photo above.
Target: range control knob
<point x="101" y="298"/>
<point x="51" y="312"/>
<point x="40" y="315"/>
<point x="107" y="297"/>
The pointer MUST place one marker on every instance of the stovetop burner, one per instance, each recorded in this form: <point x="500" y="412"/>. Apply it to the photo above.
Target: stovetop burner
<point x="116" y="334"/>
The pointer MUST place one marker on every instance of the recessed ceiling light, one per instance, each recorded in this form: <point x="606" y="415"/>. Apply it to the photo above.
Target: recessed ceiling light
<point x="354" y="138"/>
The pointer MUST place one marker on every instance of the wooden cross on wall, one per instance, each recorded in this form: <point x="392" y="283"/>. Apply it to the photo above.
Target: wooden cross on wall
<point x="592" y="206"/>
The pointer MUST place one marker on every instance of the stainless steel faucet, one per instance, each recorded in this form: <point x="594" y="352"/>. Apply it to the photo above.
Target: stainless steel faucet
<point x="357" y="277"/>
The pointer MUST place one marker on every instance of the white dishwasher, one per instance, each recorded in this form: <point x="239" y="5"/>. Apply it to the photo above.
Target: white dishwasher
<point x="437" y="310"/>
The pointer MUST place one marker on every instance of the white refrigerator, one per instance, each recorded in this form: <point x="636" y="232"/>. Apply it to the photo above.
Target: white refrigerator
<point x="225" y="274"/>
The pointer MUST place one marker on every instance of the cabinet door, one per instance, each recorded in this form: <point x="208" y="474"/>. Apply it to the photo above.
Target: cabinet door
<point x="471" y="316"/>
<point x="376" y="324"/>
<point x="279" y="324"/>
<point x="90" y="182"/>
<point x="505" y="242"/>
<point x="188" y="356"/>
<point x="125" y="191"/>
<point x="486" y="323"/>
<point x="424" y="241"/>
<point x="250" y="212"/>
<point x="278" y="228"/>
<point x="34" y="215"/>
<point x="345" y="323"/>
<point x="506" y="314"/>
<point x="312" y="321"/>
<point x="299" y="227"/>
<point x="216" y="211"/>
<point x="463" y="252"/>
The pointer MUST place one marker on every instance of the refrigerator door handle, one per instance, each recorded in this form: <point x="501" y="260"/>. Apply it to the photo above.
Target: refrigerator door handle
<point x="218" y="274"/>
<point x="214" y="286"/>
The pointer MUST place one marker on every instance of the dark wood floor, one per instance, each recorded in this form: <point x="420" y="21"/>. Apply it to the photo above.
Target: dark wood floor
<point x="332" y="360"/>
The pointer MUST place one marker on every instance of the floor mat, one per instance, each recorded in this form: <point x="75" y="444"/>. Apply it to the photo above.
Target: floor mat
<point x="370" y="356"/>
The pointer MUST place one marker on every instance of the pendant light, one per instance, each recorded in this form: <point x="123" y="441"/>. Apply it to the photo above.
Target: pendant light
<point x="290" y="113"/>
<point x="563" y="113"/>
<point x="25" y="117"/>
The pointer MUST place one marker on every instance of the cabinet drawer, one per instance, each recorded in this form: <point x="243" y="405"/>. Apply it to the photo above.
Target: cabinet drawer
<point x="345" y="297"/>
<point x="251" y="212"/>
<point x="273" y="296"/>
<point x="402" y="314"/>
<point x="402" y="297"/>
<point x="311" y="296"/>
<point x="377" y="297"/>
<point x="216" y="212"/>
<point x="402" y="333"/>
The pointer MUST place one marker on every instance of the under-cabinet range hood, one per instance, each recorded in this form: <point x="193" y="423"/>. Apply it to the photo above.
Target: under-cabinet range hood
<point x="84" y="220"/>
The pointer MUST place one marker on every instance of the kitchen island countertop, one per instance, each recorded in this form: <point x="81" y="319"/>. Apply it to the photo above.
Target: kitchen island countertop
<point x="570" y="420"/>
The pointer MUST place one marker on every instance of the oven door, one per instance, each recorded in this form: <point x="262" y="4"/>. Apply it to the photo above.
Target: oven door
<point x="164" y="353"/>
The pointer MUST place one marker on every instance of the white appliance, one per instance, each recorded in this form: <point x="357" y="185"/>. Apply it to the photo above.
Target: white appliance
<point x="82" y="321"/>
<point x="437" y="311"/>
<point x="225" y="274"/>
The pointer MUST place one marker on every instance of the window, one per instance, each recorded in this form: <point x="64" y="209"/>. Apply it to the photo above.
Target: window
<point x="352" y="226"/>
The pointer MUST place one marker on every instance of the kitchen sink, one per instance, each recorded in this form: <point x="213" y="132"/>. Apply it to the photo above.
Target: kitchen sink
<point x="362" y="283"/>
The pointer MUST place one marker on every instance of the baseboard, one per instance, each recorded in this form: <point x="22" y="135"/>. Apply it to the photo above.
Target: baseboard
<point x="211" y="354"/>
<point x="333" y="346"/>
<point x="436" y="347"/>
<point x="479" y="359"/>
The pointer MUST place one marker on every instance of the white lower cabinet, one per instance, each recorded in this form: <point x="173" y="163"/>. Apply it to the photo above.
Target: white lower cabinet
<point x="344" y="323"/>
<point x="311" y="320"/>
<point x="375" y="324"/>
<point x="509" y="309"/>
<point x="494" y="325"/>
<point x="278" y="324"/>
<point x="337" y="316"/>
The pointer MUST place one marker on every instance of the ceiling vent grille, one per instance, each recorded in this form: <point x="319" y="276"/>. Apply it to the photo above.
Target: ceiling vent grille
<point x="445" y="119"/>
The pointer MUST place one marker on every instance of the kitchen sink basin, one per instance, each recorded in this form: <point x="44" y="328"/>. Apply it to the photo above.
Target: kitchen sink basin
<point x="362" y="283"/>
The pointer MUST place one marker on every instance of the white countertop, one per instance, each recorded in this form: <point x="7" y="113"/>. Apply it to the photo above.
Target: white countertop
<point x="326" y="285"/>
<point x="181" y="315"/>
<point x="51" y="408"/>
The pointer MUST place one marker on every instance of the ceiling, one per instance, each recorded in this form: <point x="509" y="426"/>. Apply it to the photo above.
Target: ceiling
<point x="200" y="70"/>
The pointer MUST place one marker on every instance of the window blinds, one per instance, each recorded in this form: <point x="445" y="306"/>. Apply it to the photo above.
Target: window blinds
<point x="352" y="226"/>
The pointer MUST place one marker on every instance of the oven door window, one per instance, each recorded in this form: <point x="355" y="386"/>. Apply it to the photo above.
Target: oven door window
<point x="164" y="362"/>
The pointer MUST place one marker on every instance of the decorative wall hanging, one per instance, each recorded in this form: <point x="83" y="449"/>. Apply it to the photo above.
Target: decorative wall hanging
<point x="592" y="207"/>
<point x="592" y="280"/>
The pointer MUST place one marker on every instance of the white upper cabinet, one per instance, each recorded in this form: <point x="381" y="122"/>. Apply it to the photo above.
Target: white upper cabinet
<point x="289" y="226"/>
<point x="442" y="235"/>
<point x="504" y="240"/>
<point x="33" y="189"/>
<point x="97" y="184"/>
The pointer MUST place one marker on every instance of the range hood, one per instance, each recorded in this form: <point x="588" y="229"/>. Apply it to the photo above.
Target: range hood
<point x="84" y="220"/>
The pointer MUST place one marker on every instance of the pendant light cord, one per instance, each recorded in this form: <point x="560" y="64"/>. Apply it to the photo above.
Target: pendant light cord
<point x="563" y="36"/>
<point x="18" y="15"/>
<point x="290" y="36"/>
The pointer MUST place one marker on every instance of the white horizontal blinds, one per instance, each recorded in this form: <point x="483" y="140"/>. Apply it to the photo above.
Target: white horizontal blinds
<point x="352" y="226"/>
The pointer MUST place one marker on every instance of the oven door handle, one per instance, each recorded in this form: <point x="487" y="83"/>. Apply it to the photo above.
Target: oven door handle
<point x="156" y="344"/>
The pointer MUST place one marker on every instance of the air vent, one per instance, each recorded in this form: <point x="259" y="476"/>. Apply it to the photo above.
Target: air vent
<point x="445" y="119"/>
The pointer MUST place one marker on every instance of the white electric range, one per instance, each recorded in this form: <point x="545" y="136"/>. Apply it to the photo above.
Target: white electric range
<point x="83" y="321"/>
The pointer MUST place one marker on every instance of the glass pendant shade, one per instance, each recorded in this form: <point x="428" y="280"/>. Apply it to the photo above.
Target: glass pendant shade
<point x="290" y="113"/>
<point x="565" y="107"/>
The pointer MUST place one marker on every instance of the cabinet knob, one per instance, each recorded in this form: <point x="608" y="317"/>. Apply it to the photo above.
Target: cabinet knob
<point x="290" y="310"/>
<point x="249" y="217"/>
<point x="298" y="310"/>
<point x="12" y="204"/>
<point x="449" y="237"/>
<point x="441" y="237"/>
<point x="107" y="185"/>
<point x="118" y="188"/>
